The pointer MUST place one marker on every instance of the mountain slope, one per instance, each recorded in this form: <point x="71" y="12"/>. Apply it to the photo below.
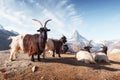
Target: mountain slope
<point x="1" y="27"/>
<point x="76" y="37"/>
<point x="76" y="42"/>
<point x="114" y="47"/>
<point x="4" y="35"/>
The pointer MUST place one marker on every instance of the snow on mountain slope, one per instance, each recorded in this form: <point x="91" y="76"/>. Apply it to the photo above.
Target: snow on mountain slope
<point x="14" y="32"/>
<point x="76" y="42"/>
<point x="76" y="37"/>
<point x="114" y="47"/>
<point x="4" y="35"/>
<point x="1" y="27"/>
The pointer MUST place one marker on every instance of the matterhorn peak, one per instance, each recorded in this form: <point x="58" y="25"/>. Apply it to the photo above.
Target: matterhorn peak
<point x="75" y="34"/>
<point x="76" y="42"/>
<point x="77" y="37"/>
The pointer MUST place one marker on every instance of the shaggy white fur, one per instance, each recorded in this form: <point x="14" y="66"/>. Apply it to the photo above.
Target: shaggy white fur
<point x="100" y="57"/>
<point x="85" y="57"/>
<point x="16" y="46"/>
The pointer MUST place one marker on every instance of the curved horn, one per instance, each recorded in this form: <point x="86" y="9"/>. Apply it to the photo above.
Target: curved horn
<point x="63" y="35"/>
<point x="38" y="22"/>
<point x="89" y="43"/>
<point x="47" y="22"/>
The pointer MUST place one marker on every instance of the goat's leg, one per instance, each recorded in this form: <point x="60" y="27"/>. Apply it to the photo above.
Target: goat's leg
<point x="58" y="52"/>
<point x="15" y="56"/>
<point x="107" y="60"/>
<point x="53" y="53"/>
<point x="38" y="57"/>
<point x="32" y="57"/>
<point x="43" y="55"/>
<point x="11" y="55"/>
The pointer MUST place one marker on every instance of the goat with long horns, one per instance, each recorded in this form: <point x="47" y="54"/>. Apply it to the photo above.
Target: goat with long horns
<point x="31" y="44"/>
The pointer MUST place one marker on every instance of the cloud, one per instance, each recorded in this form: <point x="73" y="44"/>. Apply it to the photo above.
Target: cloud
<point x="62" y="12"/>
<point x="12" y="16"/>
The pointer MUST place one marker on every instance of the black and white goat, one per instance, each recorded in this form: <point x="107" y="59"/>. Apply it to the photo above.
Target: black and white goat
<point x="84" y="55"/>
<point x="101" y="56"/>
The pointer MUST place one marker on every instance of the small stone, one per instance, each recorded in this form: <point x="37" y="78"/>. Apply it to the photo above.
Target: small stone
<point x="34" y="68"/>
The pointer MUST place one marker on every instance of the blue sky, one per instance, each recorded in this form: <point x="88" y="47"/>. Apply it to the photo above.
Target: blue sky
<point x="93" y="19"/>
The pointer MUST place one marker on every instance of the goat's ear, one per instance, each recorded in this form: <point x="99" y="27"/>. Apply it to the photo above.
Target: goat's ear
<point x="38" y="30"/>
<point x="48" y="29"/>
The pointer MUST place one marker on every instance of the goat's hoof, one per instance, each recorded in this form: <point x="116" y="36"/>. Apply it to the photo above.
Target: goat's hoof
<point x="53" y="55"/>
<point x="11" y="60"/>
<point x="33" y="60"/>
<point x="39" y="59"/>
<point x="43" y="57"/>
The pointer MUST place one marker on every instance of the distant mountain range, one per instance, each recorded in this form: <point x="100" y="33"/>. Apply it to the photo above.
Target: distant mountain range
<point x="77" y="42"/>
<point x="4" y="35"/>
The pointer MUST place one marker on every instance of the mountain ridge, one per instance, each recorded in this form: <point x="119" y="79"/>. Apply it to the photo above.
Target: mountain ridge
<point x="77" y="42"/>
<point x="4" y="35"/>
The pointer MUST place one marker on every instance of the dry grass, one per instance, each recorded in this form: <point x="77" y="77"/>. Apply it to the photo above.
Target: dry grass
<point x="66" y="68"/>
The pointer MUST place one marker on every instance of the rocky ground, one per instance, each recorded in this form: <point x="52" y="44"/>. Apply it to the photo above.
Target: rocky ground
<point x="65" y="68"/>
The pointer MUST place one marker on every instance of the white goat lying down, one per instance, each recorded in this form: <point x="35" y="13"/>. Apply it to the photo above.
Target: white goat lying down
<point x="85" y="56"/>
<point x="101" y="56"/>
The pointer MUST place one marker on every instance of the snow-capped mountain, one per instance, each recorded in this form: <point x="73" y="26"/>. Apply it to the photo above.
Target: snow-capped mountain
<point x="76" y="37"/>
<point x="14" y="32"/>
<point x="114" y="47"/>
<point x="76" y="42"/>
<point x="1" y="27"/>
<point x="96" y="45"/>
